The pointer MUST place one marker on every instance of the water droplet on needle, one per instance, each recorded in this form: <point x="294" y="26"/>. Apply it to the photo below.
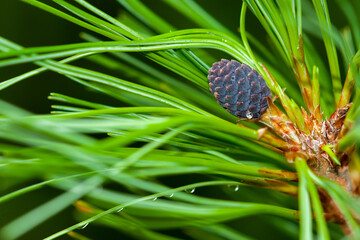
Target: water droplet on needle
<point x="249" y="115"/>
<point x="85" y="226"/>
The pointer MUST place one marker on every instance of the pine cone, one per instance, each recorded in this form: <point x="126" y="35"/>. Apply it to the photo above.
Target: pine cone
<point x="239" y="89"/>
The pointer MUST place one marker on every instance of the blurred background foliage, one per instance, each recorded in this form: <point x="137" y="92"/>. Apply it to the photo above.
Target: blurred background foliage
<point x="30" y="26"/>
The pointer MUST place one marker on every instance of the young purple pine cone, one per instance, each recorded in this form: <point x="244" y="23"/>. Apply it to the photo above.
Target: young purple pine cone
<point x="239" y="89"/>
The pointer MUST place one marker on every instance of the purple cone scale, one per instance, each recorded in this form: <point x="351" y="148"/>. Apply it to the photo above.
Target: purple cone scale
<point x="238" y="88"/>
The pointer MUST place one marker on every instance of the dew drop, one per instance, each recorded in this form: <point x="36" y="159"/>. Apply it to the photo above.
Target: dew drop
<point x="120" y="210"/>
<point x="85" y="226"/>
<point x="192" y="190"/>
<point x="155" y="199"/>
<point x="249" y="114"/>
<point x="171" y="195"/>
<point x="236" y="188"/>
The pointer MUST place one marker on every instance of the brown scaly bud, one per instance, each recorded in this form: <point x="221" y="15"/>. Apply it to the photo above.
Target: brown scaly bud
<point x="239" y="89"/>
<point x="310" y="145"/>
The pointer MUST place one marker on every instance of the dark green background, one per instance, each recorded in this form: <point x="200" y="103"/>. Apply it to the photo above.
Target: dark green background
<point x="29" y="26"/>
